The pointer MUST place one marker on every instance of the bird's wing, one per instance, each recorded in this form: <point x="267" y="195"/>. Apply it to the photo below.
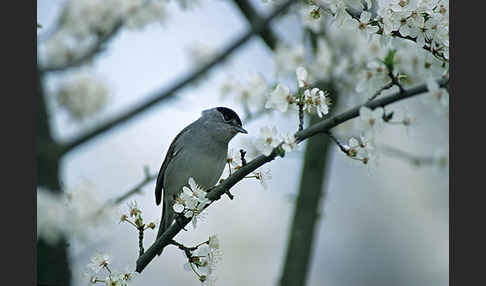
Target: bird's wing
<point x="174" y="149"/>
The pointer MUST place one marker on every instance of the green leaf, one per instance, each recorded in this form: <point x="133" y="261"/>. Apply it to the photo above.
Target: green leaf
<point x="388" y="61"/>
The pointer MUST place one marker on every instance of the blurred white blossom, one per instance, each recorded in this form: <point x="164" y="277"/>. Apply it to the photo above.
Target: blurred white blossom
<point x="83" y="24"/>
<point x="82" y="96"/>
<point x="288" y="58"/>
<point x="201" y="53"/>
<point x="251" y="94"/>
<point x="75" y="214"/>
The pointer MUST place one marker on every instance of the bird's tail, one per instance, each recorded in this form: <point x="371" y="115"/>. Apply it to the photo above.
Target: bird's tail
<point x="165" y="221"/>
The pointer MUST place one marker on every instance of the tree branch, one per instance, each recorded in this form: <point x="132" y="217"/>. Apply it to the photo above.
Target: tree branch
<point x="228" y="183"/>
<point x="411" y="158"/>
<point x="169" y="92"/>
<point x="254" y="18"/>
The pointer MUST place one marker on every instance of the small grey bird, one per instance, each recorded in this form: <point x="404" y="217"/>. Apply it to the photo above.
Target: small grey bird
<point x="200" y="151"/>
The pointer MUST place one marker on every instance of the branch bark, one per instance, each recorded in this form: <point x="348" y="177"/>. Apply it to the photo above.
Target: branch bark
<point x="216" y="193"/>
<point x="169" y="92"/>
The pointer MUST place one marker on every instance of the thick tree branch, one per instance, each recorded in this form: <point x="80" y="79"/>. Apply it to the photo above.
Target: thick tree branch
<point x="251" y="166"/>
<point x="169" y="92"/>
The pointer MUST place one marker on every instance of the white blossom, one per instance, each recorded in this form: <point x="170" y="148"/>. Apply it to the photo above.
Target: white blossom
<point x="373" y="78"/>
<point x="311" y="17"/>
<point x="191" y="201"/>
<point x="289" y="143"/>
<point x="269" y="139"/>
<point x="437" y="93"/>
<point x="302" y="76"/>
<point x="371" y="121"/>
<point x="279" y="98"/>
<point x="316" y="101"/>
<point x="364" y="24"/>
<point x="99" y="261"/>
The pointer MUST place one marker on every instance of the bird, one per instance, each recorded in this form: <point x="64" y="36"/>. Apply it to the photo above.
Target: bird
<point x="199" y="151"/>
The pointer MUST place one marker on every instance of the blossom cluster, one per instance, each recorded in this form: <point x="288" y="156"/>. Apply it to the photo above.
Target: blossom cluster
<point x="360" y="149"/>
<point x="84" y="23"/>
<point x="102" y="262"/>
<point x="312" y="100"/>
<point x="191" y="201"/>
<point x="135" y="214"/>
<point x="352" y="53"/>
<point x="424" y="21"/>
<point x="270" y="138"/>
<point x="203" y="258"/>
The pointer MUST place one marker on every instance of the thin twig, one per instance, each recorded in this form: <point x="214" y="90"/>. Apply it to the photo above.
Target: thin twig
<point x="389" y="85"/>
<point x="243" y="160"/>
<point x="140" y="240"/>
<point x="341" y="146"/>
<point x="301" y="115"/>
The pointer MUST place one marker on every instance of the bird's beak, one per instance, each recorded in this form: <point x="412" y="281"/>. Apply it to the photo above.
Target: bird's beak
<point x="241" y="130"/>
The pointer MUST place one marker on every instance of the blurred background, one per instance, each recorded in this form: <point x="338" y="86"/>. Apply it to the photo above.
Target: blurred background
<point x="382" y="225"/>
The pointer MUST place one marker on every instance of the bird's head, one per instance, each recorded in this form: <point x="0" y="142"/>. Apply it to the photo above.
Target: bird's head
<point x="223" y="122"/>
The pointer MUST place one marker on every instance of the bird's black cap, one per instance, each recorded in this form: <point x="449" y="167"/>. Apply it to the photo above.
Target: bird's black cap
<point x="229" y="114"/>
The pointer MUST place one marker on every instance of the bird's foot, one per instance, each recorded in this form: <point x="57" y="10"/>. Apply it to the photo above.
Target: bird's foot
<point x="229" y="195"/>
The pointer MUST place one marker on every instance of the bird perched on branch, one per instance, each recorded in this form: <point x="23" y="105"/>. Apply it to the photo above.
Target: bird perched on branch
<point x="199" y="151"/>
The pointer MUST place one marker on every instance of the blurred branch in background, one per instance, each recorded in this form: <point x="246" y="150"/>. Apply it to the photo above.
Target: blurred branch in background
<point x="413" y="159"/>
<point x="251" y="14"/>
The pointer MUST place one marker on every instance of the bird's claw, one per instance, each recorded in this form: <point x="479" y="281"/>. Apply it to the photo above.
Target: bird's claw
<point x="229" y="195"/>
